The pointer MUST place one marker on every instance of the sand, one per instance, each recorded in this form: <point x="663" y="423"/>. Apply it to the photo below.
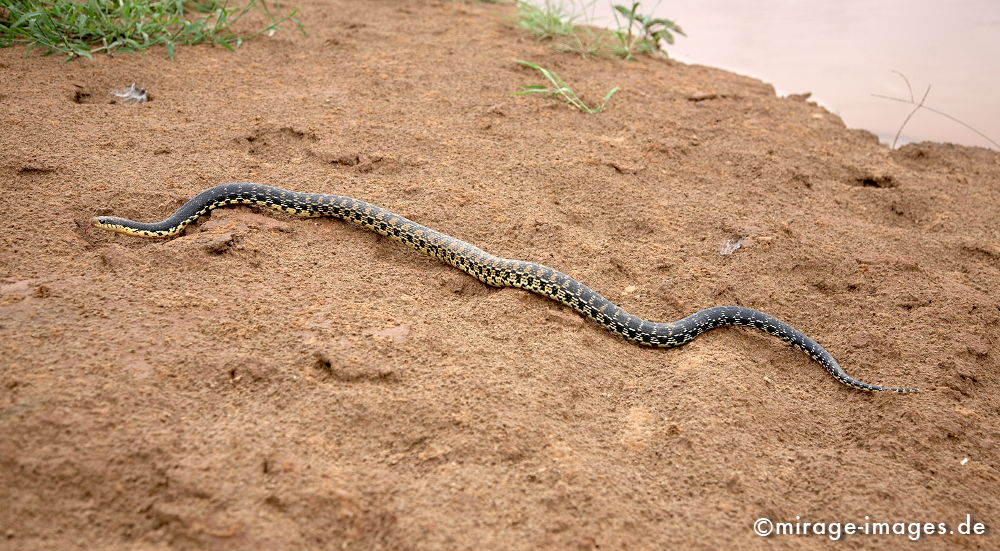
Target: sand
<point x="272" y="382"/>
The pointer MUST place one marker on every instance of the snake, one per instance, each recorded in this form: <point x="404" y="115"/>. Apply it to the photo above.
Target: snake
<point x="487" y="268"/>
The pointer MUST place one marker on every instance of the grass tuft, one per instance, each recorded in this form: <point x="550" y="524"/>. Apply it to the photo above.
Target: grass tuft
<point x="84" y="28"/>
<point x="585" y="42"/>
<point x="641" y="34"/>
<point x="634" y="34"/>
<point x="561" y="90"/>
<point x="545" y="21"/>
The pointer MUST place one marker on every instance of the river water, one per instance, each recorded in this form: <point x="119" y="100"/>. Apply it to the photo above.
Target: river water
<point x="846" y="51"/>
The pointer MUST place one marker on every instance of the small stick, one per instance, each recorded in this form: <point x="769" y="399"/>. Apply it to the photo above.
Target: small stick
<point x="911" y="101"/>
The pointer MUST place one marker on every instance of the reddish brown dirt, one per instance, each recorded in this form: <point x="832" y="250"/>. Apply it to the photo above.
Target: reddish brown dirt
<point x="271" y="382"/>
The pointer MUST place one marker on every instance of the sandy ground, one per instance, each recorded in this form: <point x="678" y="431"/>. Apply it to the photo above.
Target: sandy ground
<point x="272" y="382"/>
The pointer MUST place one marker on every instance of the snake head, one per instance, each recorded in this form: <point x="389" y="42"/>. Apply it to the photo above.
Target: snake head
<point x="117" y="225"/>
<point x="132" y="228"/>
<point x="105" y="223"/>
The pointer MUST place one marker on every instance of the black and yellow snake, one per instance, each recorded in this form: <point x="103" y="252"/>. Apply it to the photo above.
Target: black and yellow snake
<point x="492" y="270"/>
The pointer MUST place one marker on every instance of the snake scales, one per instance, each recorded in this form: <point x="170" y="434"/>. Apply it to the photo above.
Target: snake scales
<point x="489" y="269"/>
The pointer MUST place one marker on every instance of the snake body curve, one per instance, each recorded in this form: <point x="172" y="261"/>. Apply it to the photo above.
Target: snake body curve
<point x="491" y="270"/>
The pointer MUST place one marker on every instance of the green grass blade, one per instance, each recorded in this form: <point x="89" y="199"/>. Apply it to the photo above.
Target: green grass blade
<point x="79" y="28"/>
<point x="560" y="90"/>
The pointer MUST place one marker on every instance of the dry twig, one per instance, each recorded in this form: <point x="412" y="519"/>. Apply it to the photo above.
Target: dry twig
<point x="911" y="101"/>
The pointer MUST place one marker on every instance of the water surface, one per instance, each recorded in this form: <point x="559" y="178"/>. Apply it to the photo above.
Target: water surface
<point x="845" y="51"/>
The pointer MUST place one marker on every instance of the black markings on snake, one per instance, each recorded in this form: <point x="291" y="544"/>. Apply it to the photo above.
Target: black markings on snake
<point x="492" y="270"/>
